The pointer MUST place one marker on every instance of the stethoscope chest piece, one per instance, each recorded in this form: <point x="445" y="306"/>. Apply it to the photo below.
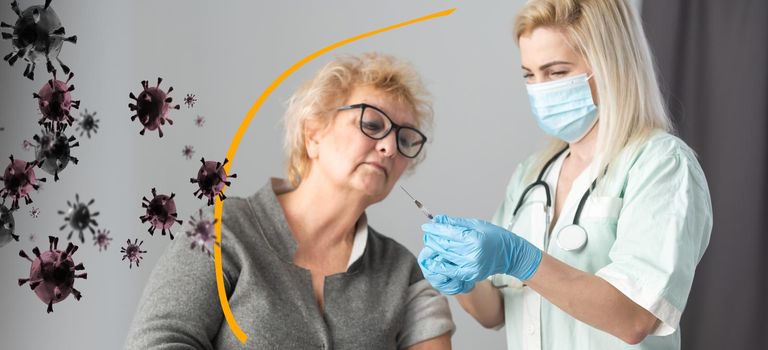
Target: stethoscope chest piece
<point x="571" y="237"/>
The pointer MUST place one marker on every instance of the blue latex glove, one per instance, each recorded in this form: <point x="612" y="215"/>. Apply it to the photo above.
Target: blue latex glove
<point x="446" y="285"/>
<point x="471" y="250"/>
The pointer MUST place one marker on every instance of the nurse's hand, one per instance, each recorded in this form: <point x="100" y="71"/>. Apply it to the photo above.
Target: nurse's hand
<point x="428" y="259"/>
<point x="471" y="250"/>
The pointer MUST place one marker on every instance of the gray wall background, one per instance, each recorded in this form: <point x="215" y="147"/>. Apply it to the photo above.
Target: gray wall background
<point x="227" y="53"/>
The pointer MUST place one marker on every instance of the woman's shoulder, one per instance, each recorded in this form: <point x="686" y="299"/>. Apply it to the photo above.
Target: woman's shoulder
<point x="261" y="209"/>
<point x="657" y="149"/>
<point x="662" y="157"/>
<point x="662" y="143"/>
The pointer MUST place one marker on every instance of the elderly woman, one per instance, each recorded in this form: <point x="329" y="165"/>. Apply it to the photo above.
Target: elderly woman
<point x="302" y="268"/>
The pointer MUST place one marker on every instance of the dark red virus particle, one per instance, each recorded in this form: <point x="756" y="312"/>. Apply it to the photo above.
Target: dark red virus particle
<point x="37" y="35"/>
<point x="35" y="212"/>
<point x="55" y="102"/>
<point x="79" y="218"/>
<point x="152" y="106"/>
<point x="211" y="179"/>
<point x="200" y="121"/>
<point x="133" y="252"/>
<point x="188" y="152"/>
<point x="19" y="180"/>
<point x="190" y="100"/>
<point x="53" y="151"/>
<point x="87" y="123"/>
<point x="161" y="212"/>
<point x="7" y="226"/>
<point x="102" y="239"/>
<point x="53" y="273"/>
<point x="201" y="231"/>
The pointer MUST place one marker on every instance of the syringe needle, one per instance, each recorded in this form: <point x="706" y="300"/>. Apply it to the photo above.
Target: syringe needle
<point x="418" y="204"/>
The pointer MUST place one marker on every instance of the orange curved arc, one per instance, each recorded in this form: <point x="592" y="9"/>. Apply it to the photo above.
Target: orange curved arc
<point x="236" y="143"/>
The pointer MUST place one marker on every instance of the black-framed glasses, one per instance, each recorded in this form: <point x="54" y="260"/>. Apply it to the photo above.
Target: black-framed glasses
<point x="375" y="124"/>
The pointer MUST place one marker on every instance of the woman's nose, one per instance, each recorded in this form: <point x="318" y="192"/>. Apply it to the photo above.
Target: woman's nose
<point x="388" y="145"/>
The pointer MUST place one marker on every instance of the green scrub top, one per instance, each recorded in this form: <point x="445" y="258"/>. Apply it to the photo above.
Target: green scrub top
<point x="648" y="223"/>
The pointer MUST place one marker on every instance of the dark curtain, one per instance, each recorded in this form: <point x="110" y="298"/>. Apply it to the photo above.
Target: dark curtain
<point x="713" y="60"/>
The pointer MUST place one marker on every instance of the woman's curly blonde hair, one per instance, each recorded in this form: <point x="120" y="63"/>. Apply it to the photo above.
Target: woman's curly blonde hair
<point x="314" y="104"/>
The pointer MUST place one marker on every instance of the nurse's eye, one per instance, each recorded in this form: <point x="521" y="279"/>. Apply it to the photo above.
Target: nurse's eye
<point x="559" y="74"/>
<point x="527" y="75"/>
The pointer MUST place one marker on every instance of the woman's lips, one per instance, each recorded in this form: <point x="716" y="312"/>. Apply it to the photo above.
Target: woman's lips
<point x="378" y="166"/>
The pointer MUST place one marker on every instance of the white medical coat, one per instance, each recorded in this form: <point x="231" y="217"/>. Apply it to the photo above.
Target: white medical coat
<point x="648" y="224"/>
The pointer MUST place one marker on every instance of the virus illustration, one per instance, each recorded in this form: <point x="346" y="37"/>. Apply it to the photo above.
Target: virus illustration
<point x="53" y="273"/>
<point x="190" y="100"/>
<point x="133" y="252"/>
<point x="211" y="179"/>
<point x="35" y="212"/>
<point x="201" y="232"/>
<point x="199" y="121"/>
<point x="188" y="152"/>
<point x="87" y="123"/>
<point x="102" y="239"/>
<point x="7" y="226"/>
<point x="79" y="218"/>
<point x="19" y="180"/>
<point x="37" y="35"/>
<point x="161" y="212"/>
<point x="27" y="145"/>
<point x="52" y="151"/>
<point x="55" y="102"/>
<point x="32" y="237"/>
<point x="152" y="107"/>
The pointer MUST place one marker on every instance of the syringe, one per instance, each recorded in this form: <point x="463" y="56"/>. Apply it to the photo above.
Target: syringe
<point x="418" y="204"/>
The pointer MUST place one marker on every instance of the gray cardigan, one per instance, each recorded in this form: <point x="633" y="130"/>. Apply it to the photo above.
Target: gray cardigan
<point x="381" y="302"/>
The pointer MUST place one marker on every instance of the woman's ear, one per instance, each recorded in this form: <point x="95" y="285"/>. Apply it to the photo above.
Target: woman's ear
<point x="312" y="137"/>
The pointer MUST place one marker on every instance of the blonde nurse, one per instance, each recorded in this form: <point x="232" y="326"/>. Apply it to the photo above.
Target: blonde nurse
<point x="597" y="239"/>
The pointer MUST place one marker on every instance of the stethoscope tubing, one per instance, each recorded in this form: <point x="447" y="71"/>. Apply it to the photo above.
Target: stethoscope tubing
<point x="547" y="191"/>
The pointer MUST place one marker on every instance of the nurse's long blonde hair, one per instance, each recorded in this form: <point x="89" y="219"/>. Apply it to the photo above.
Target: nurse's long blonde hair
<point x="608" y="34"/>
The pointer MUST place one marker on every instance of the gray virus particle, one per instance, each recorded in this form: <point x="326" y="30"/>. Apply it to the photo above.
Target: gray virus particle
<point x="37" y="35"/>
<point x="79" y="218"/>
<point x="53" y="151"/>
<point x="32" y="237"/>
<point x="188" y="152"/>
<point x="211" y="179"/>
<point x="7" y="226"/>
<point x="87" y="123"/>
<point x="35" y="212"/>
<point x="133" y="252"/>
<point x="200" y="121"/>
<point x="201" y="232"/>
<point x="190" y="100"/>
<point x="53" y="273"/>
<point x="161" y="213"/>
<point x="18" y="181"/>
<point x="27" y="145"/>
<point x="152" y="107"/>
<point x="55" y="102"/>
<point x="102" y="239"/>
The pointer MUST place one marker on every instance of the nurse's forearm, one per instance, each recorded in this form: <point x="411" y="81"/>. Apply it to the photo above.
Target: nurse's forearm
<point x="591" y="300"/>
<point x="484" y="303"/>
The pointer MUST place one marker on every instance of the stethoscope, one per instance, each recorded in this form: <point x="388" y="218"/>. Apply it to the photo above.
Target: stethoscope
<point x="573" y="236"/>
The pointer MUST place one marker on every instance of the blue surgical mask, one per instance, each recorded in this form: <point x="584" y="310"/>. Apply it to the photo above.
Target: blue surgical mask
<point x="563" y="108"/>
